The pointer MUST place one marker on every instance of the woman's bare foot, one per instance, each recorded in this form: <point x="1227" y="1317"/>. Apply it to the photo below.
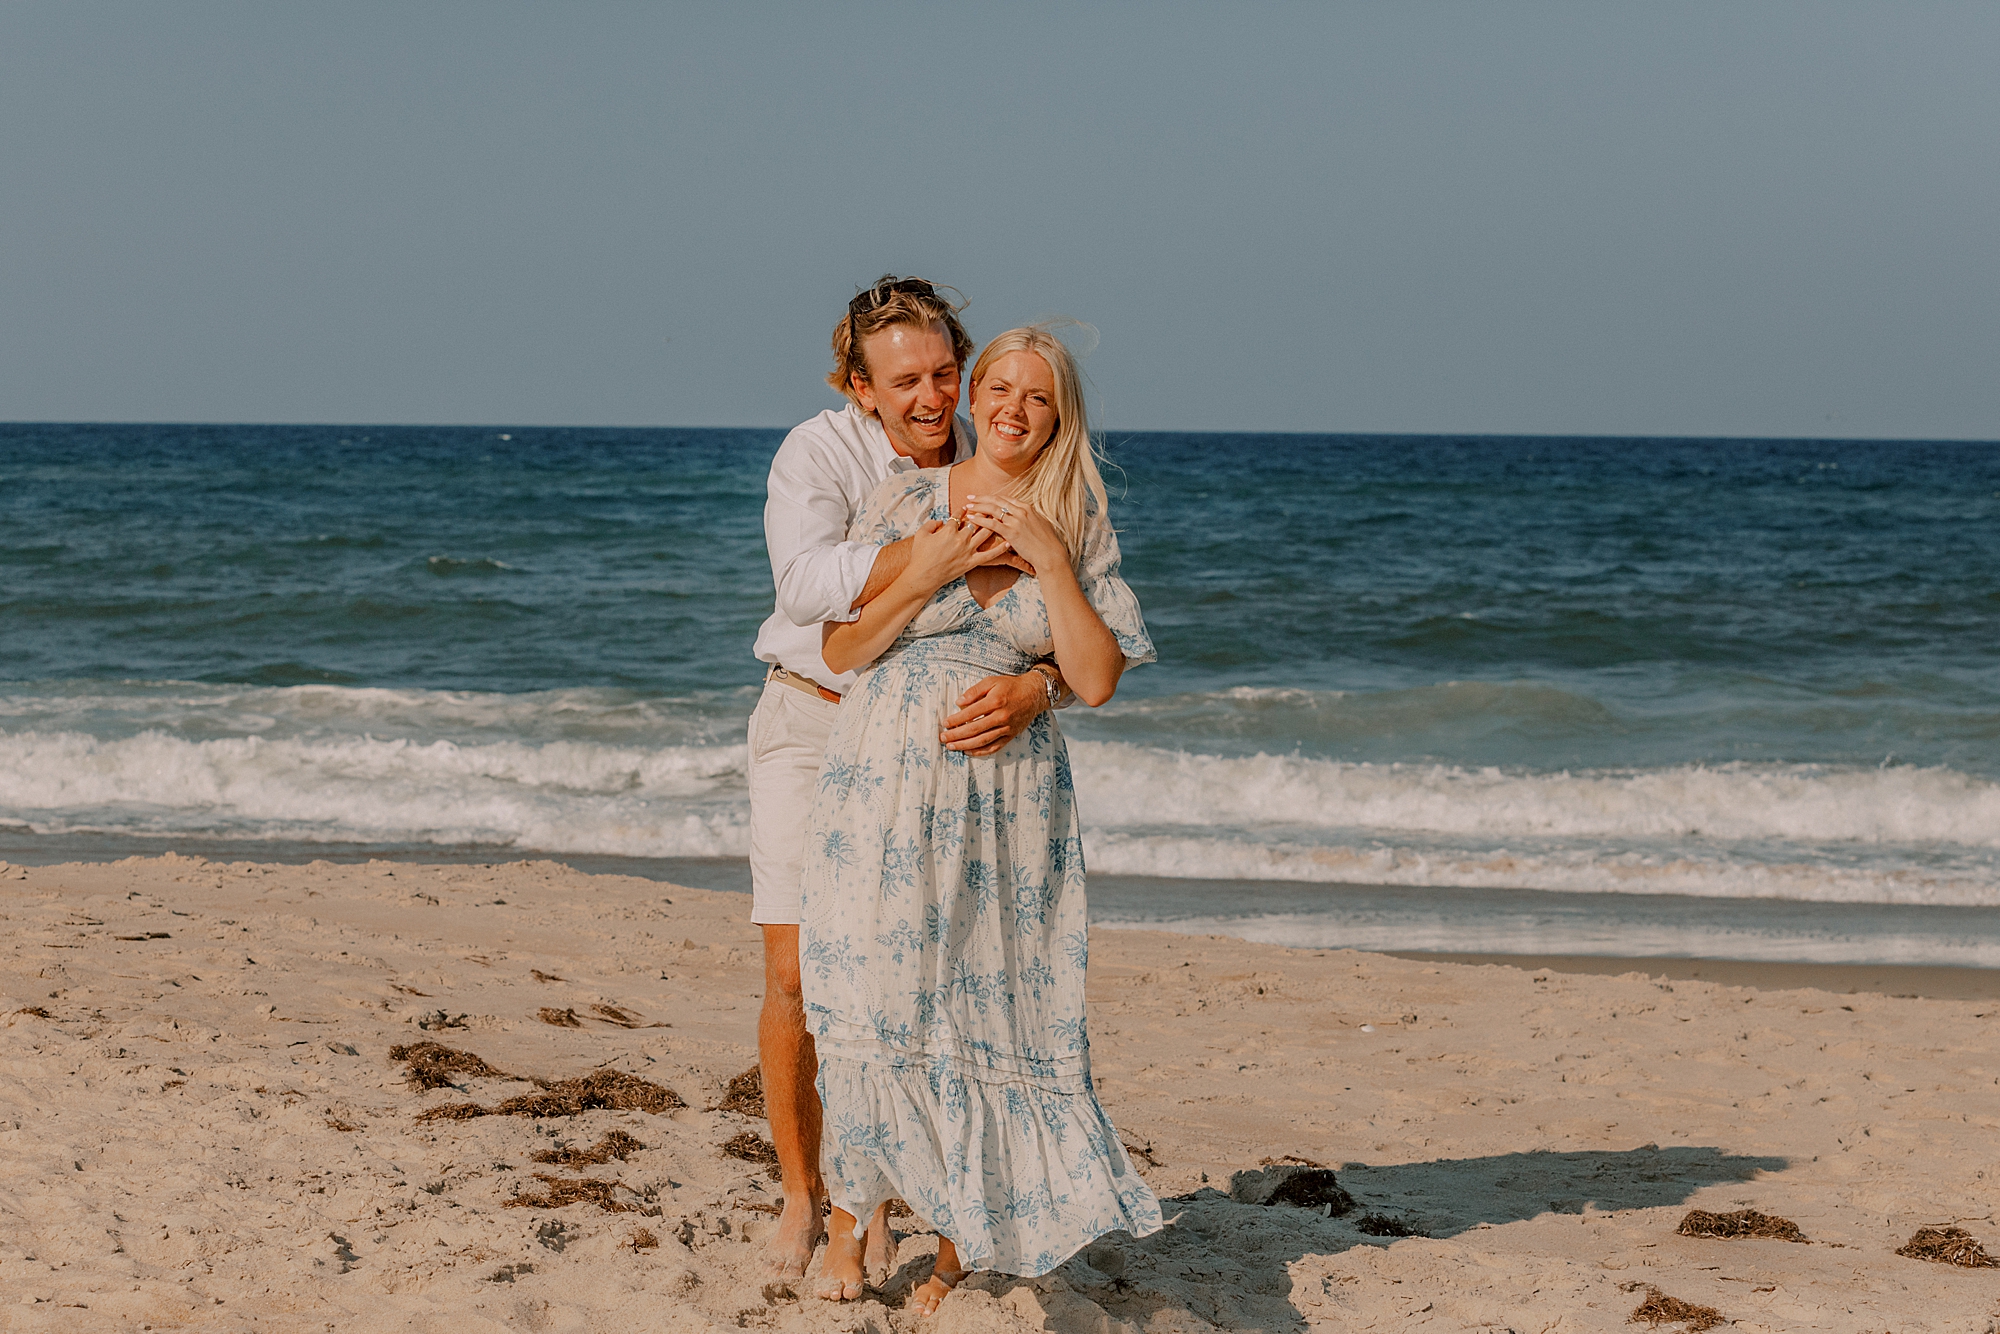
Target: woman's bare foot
<point x="878" y="1253"/>
<point x="840" y="1275"/>
<point x="926" y="1297"/>
<point x="799" y="1231"/>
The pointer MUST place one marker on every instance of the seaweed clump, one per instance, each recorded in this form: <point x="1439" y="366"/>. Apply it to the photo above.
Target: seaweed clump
<point x="600" y="1089"/>
<point x="612" y="1090"/>
<point x="744" y="1094"/>
<point x="611" y="1014"/>
<point x="1312" y="1188"/>
<point x="1947" y="1246"/>
<point x="1382" y="1225"/>
<point x="432" y="1065"/>
<point x="752" y="1149"/>
<point x="1660" y="1309"/>
<point x="1742" y="1223"/>
<point x="559" y="1192"/>
<point x="616" y="1144"/>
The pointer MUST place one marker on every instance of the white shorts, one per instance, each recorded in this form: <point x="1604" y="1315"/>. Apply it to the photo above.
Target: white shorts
<point x="788" y="735"/>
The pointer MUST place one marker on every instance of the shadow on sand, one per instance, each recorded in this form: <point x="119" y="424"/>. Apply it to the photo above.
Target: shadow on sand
<point x="1449" y="1195"/>
<point x="1225" y="1262"/>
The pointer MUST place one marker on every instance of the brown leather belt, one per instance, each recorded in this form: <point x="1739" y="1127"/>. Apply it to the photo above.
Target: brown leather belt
<point x="805" y="683"/>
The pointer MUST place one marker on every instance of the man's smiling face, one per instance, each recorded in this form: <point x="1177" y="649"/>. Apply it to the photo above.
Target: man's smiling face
<point x="912" y="386"/>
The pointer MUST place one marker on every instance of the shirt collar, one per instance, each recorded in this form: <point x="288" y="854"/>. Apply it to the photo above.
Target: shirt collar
<point x="878" y="439"/>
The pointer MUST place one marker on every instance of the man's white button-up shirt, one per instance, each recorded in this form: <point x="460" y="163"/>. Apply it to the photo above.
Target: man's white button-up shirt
<point x="822" y="473"/>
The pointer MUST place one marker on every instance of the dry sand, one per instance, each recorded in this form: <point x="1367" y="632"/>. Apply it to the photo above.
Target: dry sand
<point x="205" y="1128"/>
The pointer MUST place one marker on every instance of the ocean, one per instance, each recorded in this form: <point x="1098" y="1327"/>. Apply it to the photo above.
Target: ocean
<point x="1725" y="698"/>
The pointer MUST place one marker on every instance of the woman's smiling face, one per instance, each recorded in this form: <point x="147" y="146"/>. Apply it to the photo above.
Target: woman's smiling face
<point x="1014" y="409"/>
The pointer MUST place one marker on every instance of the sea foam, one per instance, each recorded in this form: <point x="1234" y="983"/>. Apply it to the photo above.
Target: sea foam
<point x="609" y="772"/>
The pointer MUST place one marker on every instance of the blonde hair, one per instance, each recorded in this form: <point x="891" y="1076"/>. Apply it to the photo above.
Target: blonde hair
<point x="1063" y="484"/>
<point x="886" y="302"/>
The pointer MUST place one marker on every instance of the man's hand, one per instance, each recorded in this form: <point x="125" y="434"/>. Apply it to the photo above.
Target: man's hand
<point x="995" y="711"/>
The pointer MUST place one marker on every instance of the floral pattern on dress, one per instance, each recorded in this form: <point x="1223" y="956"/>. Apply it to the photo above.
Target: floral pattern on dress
<point x="943" y="935"/>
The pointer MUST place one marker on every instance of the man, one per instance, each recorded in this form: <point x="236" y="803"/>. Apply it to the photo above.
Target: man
<point x="899" y="355"/>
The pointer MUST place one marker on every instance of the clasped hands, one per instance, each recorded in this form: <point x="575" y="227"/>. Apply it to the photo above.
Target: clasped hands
<point x="987" y="531"/>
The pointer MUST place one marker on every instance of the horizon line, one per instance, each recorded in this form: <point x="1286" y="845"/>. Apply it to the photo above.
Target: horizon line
<point x="1102" y="431"/>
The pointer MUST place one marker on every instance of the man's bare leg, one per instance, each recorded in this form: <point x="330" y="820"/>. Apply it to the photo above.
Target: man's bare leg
<point x="789" y="1063"/>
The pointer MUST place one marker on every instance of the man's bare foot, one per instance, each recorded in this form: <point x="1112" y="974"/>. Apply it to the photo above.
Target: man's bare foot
<point x="799" y="1232"/>
<point x="840" y="1274"/>
<point x="878" y="1253"/>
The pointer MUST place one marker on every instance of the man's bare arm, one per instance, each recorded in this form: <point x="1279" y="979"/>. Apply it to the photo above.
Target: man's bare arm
<point x="890" y="561"/>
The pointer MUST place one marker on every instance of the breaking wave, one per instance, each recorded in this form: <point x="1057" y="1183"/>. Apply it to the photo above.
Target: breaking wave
<point x="609" y="772"/>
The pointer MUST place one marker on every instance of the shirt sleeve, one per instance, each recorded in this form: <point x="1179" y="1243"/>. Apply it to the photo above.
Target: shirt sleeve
<point x="817" y="571"/>
<point x="1110" y="596"/>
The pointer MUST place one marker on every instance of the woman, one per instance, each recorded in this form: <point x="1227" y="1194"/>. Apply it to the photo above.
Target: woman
<point x="943" y="939"/>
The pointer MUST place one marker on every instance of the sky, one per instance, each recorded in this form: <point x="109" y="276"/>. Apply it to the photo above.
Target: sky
<point x="1738" y="219"/>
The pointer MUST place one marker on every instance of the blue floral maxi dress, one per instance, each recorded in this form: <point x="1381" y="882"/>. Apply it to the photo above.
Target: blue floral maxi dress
<point x="943" y="937"/>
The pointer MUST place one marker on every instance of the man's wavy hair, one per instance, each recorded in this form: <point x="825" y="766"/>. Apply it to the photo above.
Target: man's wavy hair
<point x="887" y="302"/>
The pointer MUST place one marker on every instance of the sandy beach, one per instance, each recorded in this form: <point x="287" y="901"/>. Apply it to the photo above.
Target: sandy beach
<point x="203" y="1127"/>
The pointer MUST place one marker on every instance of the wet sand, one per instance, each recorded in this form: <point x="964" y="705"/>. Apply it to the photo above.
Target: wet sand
<point x="1908" y="981"/>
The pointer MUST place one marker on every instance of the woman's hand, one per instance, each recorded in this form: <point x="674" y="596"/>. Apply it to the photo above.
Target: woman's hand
<point x="939" y="553"/>
<point x="943" y="551"/>
<point x="1086" y="651"/>
<point x="1021" y="527"/>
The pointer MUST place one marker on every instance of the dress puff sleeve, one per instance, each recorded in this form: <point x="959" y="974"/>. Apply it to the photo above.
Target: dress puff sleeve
<point x="1109" y="595"/>
<point x="895" y="509"/>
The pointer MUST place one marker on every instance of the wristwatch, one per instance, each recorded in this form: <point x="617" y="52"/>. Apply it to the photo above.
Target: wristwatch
<point x="1048" y="675"/>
